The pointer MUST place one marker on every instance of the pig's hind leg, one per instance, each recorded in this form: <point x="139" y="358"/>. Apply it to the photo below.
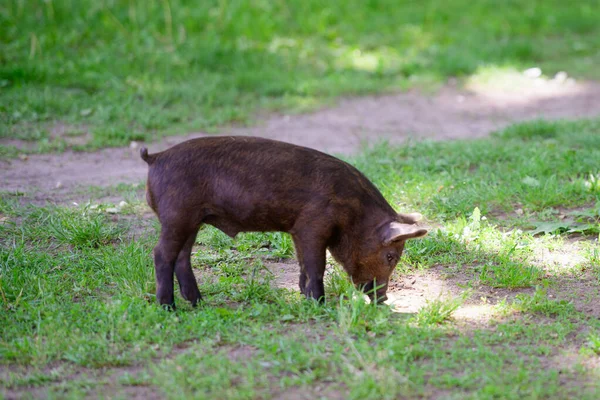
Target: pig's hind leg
<point x="173" y="250"/>
<point x="185" y="276"/>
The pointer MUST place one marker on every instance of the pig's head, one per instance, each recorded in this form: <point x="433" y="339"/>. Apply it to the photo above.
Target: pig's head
<point x="378" y="254"/>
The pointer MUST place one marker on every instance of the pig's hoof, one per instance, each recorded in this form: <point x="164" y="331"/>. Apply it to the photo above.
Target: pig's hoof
<point x="196" y="302"/>
<point x="380" y="300"/>
<point x="169" y="307"/>
<point x="320" y="300"/>
<point x="193" y="296"/>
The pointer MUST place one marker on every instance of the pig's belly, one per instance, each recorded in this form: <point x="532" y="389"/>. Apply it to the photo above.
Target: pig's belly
<point x="231" y="226"/>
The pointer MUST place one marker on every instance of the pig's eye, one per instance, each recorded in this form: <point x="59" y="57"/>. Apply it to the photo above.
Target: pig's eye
<point x="392" y="258"/>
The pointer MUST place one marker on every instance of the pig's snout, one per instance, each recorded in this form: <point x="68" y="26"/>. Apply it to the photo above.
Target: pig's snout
<point x="379" y="298"/>
<point x="376" y="292"/>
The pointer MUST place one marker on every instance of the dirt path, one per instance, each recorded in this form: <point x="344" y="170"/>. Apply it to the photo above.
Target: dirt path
<point x="450" y="113"/>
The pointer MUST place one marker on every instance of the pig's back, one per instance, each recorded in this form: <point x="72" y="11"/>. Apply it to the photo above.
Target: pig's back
<point x="262" y="182"/>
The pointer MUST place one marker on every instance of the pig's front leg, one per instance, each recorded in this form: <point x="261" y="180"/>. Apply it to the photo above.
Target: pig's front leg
<point x="302" y="280"/>
<point x="311" y="257"/>
<point x="315" y="271"/>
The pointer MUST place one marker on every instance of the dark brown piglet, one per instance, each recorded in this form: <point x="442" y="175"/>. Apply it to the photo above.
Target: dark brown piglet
<point x="244" y="184"/>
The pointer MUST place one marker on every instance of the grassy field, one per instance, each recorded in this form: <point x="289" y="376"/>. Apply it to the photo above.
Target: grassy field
<point x="86" y="74"/>
<point x="78" y="315"/>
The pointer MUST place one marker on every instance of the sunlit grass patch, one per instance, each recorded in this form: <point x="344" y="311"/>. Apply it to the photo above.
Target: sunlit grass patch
<point x="592" y="254"/>
<point x="510" y="274"/>
<point x="501" y="259"/>
<point x="593" y="342"/>
<point x="438" y="311"/>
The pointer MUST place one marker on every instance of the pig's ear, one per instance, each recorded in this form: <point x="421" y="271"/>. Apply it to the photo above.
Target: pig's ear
<point x="396" y="231"/>
<point x="411" y="218"/>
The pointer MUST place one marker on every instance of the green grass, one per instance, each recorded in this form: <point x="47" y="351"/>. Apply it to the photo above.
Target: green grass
<point x="437" y="311"/>
<point x="540" y="303"/>
<point x="86" y="74"/>
<point x="519" y="169"/>
<point x="78" y="314"/>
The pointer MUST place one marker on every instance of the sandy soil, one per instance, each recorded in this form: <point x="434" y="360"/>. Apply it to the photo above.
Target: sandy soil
<point x="450" y="113"/>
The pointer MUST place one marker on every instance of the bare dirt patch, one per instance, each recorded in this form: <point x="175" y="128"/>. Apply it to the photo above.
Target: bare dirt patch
<point x="583" y="291"/>
<point x="286" y="274"/>
<point x="239" y="353"/>
<point x="450" y="113"/>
